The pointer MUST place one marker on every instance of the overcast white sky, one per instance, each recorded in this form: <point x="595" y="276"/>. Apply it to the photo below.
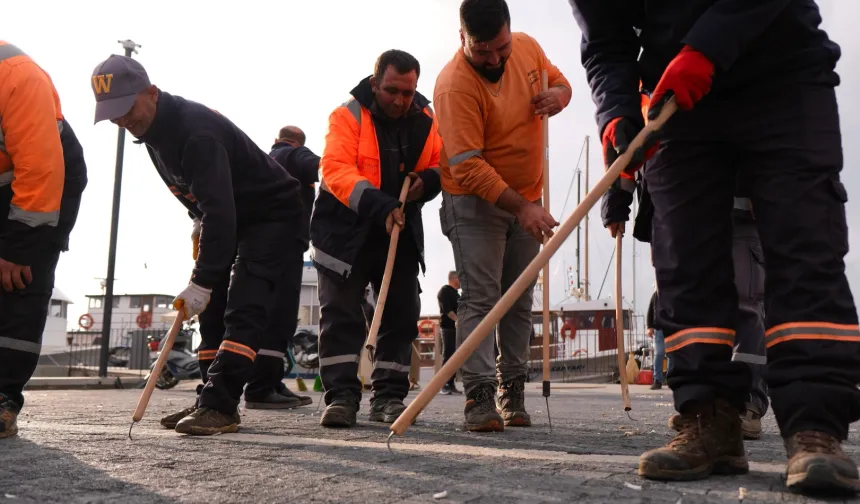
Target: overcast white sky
<point x="265" y="64"/>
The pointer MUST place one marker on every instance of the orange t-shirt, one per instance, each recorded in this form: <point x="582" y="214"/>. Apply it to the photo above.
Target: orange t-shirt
<point x="491" y="137"/>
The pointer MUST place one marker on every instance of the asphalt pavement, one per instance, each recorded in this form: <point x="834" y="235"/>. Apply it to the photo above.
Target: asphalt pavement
<point x="73" y="447"/>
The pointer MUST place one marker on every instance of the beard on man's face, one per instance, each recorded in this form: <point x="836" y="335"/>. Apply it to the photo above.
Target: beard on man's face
<point x="492" y="74"/>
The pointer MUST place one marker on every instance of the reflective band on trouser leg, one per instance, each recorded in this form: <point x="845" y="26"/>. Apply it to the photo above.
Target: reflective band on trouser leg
<point x="339" y="359"/>
<point x="812" y="331"/>
<point x="270" y="353"/>
<point x="206" y="355"/>
<point x="20" y="345"/>
<point x="238" y="348"/>
<point x="393" y="366"/>
<point x="709" y="335"/>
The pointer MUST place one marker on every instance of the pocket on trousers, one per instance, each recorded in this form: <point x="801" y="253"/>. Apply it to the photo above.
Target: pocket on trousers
<point x="757" y="272"/>
<point x="836" y="216"/>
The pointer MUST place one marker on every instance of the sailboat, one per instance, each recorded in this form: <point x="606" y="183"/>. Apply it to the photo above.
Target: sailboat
<point x="582" y="330"/>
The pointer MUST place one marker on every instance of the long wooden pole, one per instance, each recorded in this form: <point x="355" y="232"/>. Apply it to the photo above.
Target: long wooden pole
<point x="386" y="278"/>
<point x="619" y="324"/>
<point x="143" y="402"/>
<point x="545" y="286"/>
<point x="471" y="343"/>
<point x="586" y="296"/>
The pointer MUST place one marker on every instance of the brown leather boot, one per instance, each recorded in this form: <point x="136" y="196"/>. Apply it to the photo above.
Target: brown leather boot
<point x="816" y="463"/>
<point x="709" y="441"/>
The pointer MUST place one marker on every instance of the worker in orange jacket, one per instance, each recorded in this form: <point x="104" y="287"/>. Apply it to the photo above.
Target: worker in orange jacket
<point x="42" y="176"/>
<point x="383" y="134"/>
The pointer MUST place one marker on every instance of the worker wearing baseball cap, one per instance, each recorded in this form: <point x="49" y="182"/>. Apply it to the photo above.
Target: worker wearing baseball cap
<point x="248" y="207"/>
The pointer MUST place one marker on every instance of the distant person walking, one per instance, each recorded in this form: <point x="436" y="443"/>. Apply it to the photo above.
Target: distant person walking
<point x="449" y="298"/>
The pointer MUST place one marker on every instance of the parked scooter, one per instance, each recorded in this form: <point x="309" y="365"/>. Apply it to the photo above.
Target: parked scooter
<point x="181" y="362"/>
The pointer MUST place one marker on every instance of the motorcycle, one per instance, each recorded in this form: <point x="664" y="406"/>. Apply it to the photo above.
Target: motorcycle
<point x="181" y="363"/>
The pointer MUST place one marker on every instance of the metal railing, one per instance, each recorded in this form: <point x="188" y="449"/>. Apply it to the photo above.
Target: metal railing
<point x="128" y="352"/>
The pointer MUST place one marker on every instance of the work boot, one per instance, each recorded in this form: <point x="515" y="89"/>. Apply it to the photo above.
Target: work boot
<point x="709" y="441"/>
<point x="9" y="410"/>
<point x="207" y="421"/>
<point x="657" y="385"/>
<point x="816" y="463"/>
<point x="386" y="409"/>
<point x="340" y="413"/>
<point x="512" y="403"/>
<point x="303" y="400"/>
<point x="481" y="413"/>
<point x="450" y="388"/>
<point x="751" y="422"/>
<point x="272" y="400"/>
<point x="170" y="421"/>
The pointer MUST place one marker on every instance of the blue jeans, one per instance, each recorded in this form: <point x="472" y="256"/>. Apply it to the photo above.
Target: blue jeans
<point x="659" y="354"/>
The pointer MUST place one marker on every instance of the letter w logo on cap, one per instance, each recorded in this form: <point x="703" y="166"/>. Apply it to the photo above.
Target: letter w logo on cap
<point x="101" y="83"/>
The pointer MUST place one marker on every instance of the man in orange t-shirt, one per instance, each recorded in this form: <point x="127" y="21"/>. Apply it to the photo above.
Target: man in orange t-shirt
<point x="489" y="104"/>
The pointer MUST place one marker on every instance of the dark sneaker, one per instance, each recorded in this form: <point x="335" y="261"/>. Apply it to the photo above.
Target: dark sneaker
<point x="273" y="400"/>
<point x="656" y="385"/>
<point x="171" y="420"/>
<point x="303" y="400"/>
<point x="481" y="413"/>
<point x="709" y="441"/>
<point x="207" y="421"/>
<point x="454" y="390"/>
<point x="340" y="413"/>
<point x="386" y="409"/>
<point x="751" y="423"/>
<point x="816" y="463"/>
<point x="8" y="417"/>
<point x="512" y="403"/>
<point x="446" y="389"/>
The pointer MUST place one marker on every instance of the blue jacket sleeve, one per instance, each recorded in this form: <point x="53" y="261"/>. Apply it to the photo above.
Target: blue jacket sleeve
<point x="728" y="27"/>
<point x="609" y="50"/>
<point x="206" y="164"/>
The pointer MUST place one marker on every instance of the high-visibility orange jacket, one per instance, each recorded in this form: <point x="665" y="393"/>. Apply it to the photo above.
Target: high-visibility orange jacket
<point x="365" y="160"/>
<point x="32" y="168"/>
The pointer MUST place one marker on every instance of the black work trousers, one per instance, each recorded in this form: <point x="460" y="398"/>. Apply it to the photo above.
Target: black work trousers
<point x="342" y="323"/>
<point x="246" y="332"/>
<point x="449" y="346"/>
<point x="22" y="320"/>
<point x="785" y="145"/>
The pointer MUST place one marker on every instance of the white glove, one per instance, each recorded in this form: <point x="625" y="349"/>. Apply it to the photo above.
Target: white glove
<point x="193" y="300"/>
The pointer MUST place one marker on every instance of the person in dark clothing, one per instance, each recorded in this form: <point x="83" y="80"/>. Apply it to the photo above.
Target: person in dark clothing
<point x="656" y="334"/>
<point x="301" y="163"/>
<point x="755" y="85"/>
<point x="42" y="177"/>
<point x="383" y="134"/>
<point x="250" y="245"/>
<point x="448" y="298"/>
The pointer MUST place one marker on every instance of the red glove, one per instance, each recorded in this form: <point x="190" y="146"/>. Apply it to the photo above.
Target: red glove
<point x="688" y="77"/>
<point x="617" y="137"/>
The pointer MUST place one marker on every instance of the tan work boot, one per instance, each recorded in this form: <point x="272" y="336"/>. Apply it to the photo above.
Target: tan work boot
<point x="709" y="441"/>
<point x="8" y="417"/>
<point x="751" y="422"/>
<point x="480" y="412"/>
<point x="816" y="463"/>
<point x="511" y="403"/>
<point x="207" y="421"/>
<point x="170" y="421"/>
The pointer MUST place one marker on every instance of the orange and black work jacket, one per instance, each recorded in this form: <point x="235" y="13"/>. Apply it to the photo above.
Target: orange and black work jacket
<point x="365" y="161"/>
<point x="39" y="157"/>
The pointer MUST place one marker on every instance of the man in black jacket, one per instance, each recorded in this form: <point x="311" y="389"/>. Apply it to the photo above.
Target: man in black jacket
<point x="301" y="163"/>
<point x="755" y="82"/>
<point x="249" y="209"/>
<point x="449" y="299"/>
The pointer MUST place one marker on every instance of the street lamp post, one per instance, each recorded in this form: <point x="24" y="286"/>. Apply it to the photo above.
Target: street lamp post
<point x="130" y="47"/>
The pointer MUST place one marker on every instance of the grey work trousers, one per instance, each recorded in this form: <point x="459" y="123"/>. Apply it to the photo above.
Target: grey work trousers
<point x="490" y="253"/>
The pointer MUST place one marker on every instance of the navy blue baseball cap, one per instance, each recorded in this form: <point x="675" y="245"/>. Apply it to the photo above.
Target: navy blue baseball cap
<point x="116" y="82"/>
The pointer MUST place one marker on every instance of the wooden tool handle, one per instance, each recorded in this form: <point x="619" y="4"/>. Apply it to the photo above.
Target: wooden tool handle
<point x="619" y="324"/>
<point x="544" y="84"/>
<point x="528" y="275"/>
<point x="386" y="277"/>
<point x="143" y="402"/>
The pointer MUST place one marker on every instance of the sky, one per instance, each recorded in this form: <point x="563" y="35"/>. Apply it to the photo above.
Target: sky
<point x="266" y="64"/>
